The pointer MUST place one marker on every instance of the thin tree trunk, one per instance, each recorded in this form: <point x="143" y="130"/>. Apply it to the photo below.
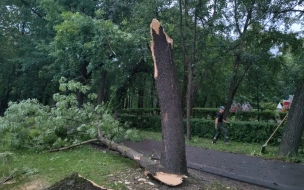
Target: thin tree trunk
<point x="190" y="77"/>
<point x="295" y="125"/>
<point x="185" y="52"/>
<point x="83" y="81"/>
<point x="141" y="92"/>
<point x="189" y="103"/>
<point x="74" y="145"/>
<point x="4" y="100"/>
<point x="190" y="90"/>
<point x="101" y="87"/>
<point x="235" y="82"/>
<point x="173" y="155"/>
<point x="152" y="97"/>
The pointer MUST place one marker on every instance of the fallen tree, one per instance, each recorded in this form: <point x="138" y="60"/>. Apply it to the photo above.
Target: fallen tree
<point x="172" y="166"/>
<point x="152" y="167"/>
<point x="74" y="145"/>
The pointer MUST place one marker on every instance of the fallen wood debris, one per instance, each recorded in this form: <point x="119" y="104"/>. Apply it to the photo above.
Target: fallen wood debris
<point x="74" y="145"/>
<point x="152" y="167"/>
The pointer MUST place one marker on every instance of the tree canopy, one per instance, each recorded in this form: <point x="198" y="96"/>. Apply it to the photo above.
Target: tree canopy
<point x="226" y="51"/>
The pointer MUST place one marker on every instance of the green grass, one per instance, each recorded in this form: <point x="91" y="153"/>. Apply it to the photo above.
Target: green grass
<point x="52" y="167"/>
<point x="251" y="149"/>
<point x="48" y="168"/>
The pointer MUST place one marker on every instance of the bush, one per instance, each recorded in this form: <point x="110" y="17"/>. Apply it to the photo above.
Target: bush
<point x="209" y="113"/>
<point x="240" y="131"/>
<point x="29" y="124"/>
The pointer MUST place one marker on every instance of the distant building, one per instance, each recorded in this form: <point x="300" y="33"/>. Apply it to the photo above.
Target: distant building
<point x="287" y="103"/>
<point x="279" y="106"/>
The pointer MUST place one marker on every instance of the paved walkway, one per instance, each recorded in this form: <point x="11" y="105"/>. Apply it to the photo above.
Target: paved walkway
<point x="272" y="174"/>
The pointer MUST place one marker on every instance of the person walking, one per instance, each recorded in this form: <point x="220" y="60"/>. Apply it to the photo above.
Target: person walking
<point x="219" y="126"/>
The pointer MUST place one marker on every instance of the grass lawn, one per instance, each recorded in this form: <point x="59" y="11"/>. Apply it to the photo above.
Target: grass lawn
<point x="107" y="169"/>
<point x="251" y="149"/>
<point x="48" y="168"/>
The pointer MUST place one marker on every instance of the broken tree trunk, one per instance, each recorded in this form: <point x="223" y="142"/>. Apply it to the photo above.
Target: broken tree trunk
<point x="173" y="155"/>
<point x="152" y="167"/>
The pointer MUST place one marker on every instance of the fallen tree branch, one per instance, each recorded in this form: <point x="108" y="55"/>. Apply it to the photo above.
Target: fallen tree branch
<point x="68" y="147"/>
<point x="152" y="167"/>
<point x="7" y="179"/>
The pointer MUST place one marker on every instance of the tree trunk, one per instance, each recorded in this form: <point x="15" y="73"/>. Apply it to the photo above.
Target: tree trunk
<point x="83" y="81"/>
<point x="115" y="114"/>
<point x="189" y="102"/>
<point x="185" y="52"/>
<point x="152" y="167"/>
<point x="101" y="88"/>
<point x="173" y="155"/>
<point x="190" y="89"/>
<point x="152" y="97"/>
<point x="4" y="101"/>
<point x="293" y="131"/>
<point x="141" y="93"/>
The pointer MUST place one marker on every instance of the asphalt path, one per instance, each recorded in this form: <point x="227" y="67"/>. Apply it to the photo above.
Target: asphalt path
<point x="272" y="174"/>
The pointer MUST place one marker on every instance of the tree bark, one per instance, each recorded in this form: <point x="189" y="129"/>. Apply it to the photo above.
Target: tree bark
<point x="83" y="80"/>
<point x="152" y="167"/>
<point x="173" y="156"/>
<point x="141" y="93"/>
<point x="190" y="89"/>
<point x="184" y="46"/>
<point x="101" y="87"/>
<point x="74" y="145"/>
<point x="293" y="131"/>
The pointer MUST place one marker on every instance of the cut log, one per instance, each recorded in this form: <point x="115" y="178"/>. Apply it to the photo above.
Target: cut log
<point x="169" y="179"/>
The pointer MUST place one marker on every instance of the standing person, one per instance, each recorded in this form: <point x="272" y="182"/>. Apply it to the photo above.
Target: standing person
<point x="219" y="126"/>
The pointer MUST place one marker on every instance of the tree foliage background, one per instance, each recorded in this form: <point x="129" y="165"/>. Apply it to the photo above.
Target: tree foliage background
<point x="234" y="51"/>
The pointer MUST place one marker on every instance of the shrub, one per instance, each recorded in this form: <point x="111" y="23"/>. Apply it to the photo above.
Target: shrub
<point x="240" y="131"/>
<point x="29" y="124"/>
<point x="209" y="113"/>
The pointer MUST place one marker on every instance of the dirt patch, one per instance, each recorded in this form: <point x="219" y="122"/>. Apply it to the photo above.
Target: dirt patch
<point x="75" y="182"/>
<point x="136" y="180"/>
